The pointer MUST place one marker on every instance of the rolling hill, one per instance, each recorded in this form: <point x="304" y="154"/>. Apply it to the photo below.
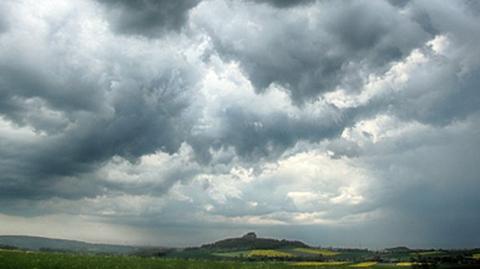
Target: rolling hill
<point x="42" y="243"/>
<point x="251" y="241"/>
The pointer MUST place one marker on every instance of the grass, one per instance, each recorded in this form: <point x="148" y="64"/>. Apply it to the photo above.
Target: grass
<point x="272" y="253"/>
<point x="430" y="253"/>
<point x="363" y="264"/>
<point x="316" y="251"/>
<point x="233" y="254"/>
<point x="14" y="259"/>
<point x="40" y="260"/>
<point x="43" y="260"/>
<point x="476" y="256"/>
<point x="318" y="264"/>
<point x="269" y="253"/>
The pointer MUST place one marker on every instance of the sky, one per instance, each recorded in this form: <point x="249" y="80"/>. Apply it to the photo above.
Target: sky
<point x="175" y="123"/>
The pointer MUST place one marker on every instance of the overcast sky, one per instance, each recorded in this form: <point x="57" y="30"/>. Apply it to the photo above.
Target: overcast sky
<point x="161" y="122"/>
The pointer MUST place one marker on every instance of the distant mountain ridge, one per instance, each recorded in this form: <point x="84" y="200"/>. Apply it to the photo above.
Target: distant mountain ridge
<point x="251" y="241"/>
<point x="43" y="243"/>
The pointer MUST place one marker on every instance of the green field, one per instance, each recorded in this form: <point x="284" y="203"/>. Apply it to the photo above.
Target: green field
<point x="316" y="251"/>
<point x="232" y="254"/>
<point x="430" y="253"/>
<point x="39" y="260"/>
<point x="16" y="259"/>
<point x="282" y="253"/>
<point x="268" y="253"/>
<point x="319" y="264"/>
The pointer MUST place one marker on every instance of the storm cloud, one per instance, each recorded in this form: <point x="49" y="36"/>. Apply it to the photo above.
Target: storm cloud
<point x="180" y="121"/>
<point x="317" y="47"/>
<point x="149" y="18"/>
<point x="285" y="3"/>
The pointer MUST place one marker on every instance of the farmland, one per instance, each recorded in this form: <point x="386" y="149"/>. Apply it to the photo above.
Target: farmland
<point x="246" y="252"/>
<point x="16" y="259"/>
<point x="363" y="264"/>
<point x="268" y="253"/>
<point x="319" y="264"/>
<point x="313" y="251"/>
<point x="26" y="259"/>
<point x="39" y="260"/>
<point x="282" y="253"/>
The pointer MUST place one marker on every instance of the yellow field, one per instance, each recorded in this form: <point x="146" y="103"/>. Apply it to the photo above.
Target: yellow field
<point x="405" y="264"/>
<point x="476" y="256"/>
<point x="256" y="253"/>
<point x="311" y="264"/>
<point x="363" y="264"/>
<point x="316" y="251"/>
<point x="269" y="253"/>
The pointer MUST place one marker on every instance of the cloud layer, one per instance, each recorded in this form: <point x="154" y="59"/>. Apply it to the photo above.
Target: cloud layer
<point x="179" y="122"/>
<point x="147" y="17"/>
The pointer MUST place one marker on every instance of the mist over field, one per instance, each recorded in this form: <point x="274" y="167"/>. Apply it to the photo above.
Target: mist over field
<point x="177" y="123"/>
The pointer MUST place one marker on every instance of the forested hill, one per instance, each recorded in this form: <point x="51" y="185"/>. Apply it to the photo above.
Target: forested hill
<point x="251" y="241"/>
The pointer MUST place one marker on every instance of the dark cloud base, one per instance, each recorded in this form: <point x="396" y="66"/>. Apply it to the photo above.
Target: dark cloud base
<point x="285" y="3"/>
<point x="148" y="18"/>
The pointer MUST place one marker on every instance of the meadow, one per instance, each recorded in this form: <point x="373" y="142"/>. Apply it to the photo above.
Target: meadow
<point x="282" y="253"/>
<point x="41" y="260"/>
<point x="314" y="251"/>
<point x="17" y="259"/>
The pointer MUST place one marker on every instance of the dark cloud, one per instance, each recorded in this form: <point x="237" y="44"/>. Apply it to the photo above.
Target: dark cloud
<point x="76" y="112"/>
<point x="473" y="7"/>
<point x="285" y="3"/>
<point x="4" y="23"/>
<point x="151" y="18"/>
<point x="400" y="3"/>
<point x="255" y="136"/>
<point x="315" y="54"/>
<point x="91" y="137"/>
<point x="459" y="100"/>
<point x="453" y="77"/>
<point x="3" y="26"/>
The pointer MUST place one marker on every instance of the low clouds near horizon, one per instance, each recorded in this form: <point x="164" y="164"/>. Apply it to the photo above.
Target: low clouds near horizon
<point x="344" y="123"/>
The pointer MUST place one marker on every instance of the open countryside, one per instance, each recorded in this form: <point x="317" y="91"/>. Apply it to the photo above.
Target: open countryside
<point x="246" y="252"/>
